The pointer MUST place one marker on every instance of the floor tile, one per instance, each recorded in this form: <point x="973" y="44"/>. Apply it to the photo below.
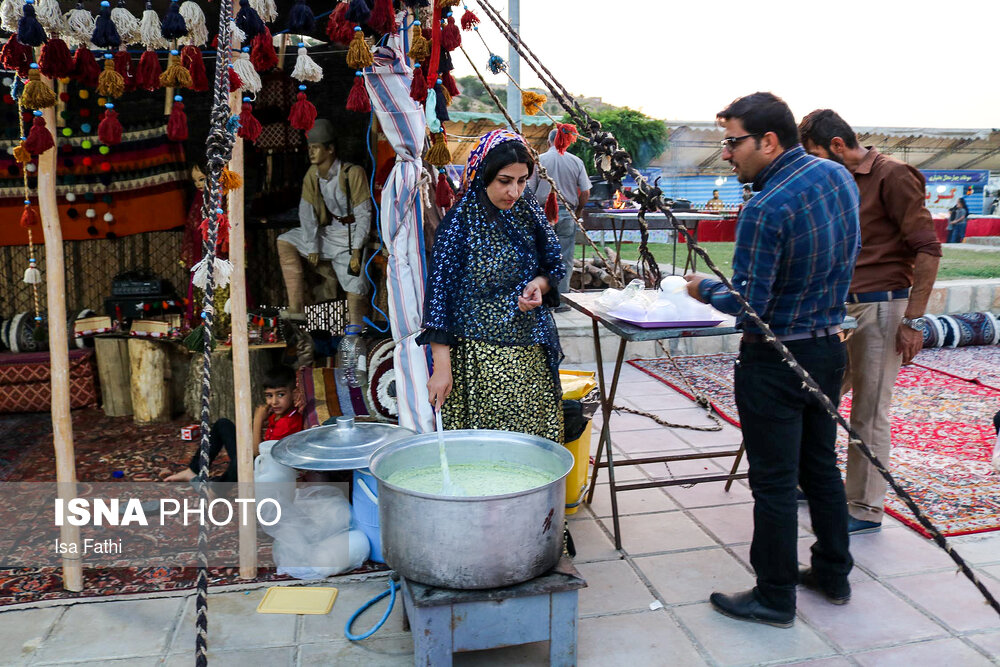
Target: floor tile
<point x="612" y="586"/>
<point x="857" y="576"/>
<point x="659" y="401"/>
<point x="235" y="623"/>
<point x="636" y="501"/>
<point x="897" y="551"/>
<point x="732" y="642"/>
<point x="989" y="642"/>
<point x="978" y="549"/>
<point x="691" y="576"/>
<point x="633" y="640"/>
<point x="139" y="628"/>
<point x="104" y="662"/>
<point x="729" y="524"/>
<point x="591" y="542"/>
<point x="394" y="651"/>
<point x="316" y="628"/>
<point x="729" y="435"/>
<point x="273" y="657"/>
<point x="22" y="631"/>
<point x="873" y="618"/>
<point x="643" y="388"/>
<point x="668" y="531"/>
<point x="711" y="493"/>
<point x="939" y="652"/>
<point x="824" y="662"/>
<point x="951" y="598"/>
<point x="650" y="440"/>
<point x="683" y="469"/>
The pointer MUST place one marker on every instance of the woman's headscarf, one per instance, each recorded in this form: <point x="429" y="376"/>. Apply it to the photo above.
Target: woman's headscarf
<point x="486" y="143"/>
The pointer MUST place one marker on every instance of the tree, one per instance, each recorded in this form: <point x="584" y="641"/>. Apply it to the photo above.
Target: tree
<point x="643" y="137"/>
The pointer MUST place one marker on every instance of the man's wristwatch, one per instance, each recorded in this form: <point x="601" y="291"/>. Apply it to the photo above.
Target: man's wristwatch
<point x="915" y="323"/>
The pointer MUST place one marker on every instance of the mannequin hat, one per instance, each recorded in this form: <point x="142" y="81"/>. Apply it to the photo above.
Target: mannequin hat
<point x="321" y="132"/>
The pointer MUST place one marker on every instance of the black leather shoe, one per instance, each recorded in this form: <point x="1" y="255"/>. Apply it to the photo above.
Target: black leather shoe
<point x="834" y="592"/>
<point x="745" y="607"/>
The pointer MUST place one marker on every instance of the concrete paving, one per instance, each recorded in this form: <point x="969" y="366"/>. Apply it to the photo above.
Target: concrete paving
<point x="645" y="605"/>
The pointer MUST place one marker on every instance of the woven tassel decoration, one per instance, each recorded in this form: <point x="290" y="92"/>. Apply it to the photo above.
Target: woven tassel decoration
<point x="442" y="102"/>
<point x="39" y="138"/>
<point x="194" y="19"/>
<point x="238" y="36"/>
<point x="439" y="155"/>
<point x="150" y="30"/>
<point x="303" y="113"/>
<point x="249" y="21"/>
<point x="420" y="47"/>
<point x="235" y="83"/>
<point x="229" y="181"/>
<point x="85" y="68"/>
<point x="110" y="83"/>
<point x="552" y="208"/>
<point x="444" y="4"/>
<point x="105" y="33"/>
<point x="123" y="65"/>
<point x="21" y="154"/>
<point x="177" y="125"/>
<point x="109" y="130"/>
<point x="11" y="12"/>
<point x="382" y="18"/>
<point x="37" y="94"/>
<point x="79" y="25"/>
<point x="29" y="30"/>
<point x="29" y="218"/>
<point x="565" y="137"/>
<point x="222" y="271"/>
<point x="358" y="100"/>
<point x="358" y="12"/>
<point x="532" y="102"/>
<point x="301" y="20"/>
<point x="449" y="83"/>
<point x="265" y="9"/>
<point x="126" y="23"/>
<point x="418" y="89"/>
<point x="173" y="26"/>
<point x="306" y="68"/>
<point x="247" y="72"/>
<point x="359" y="54"/>
<point x="50" y="16"/>
<point x="16" y="57"/>
<point x="451" y="36"/>
<point x="262" y="53"/>
<point x="147" y="76"/>
<point x="338" y="28"/>
<point x="250" y="127"/>
<point x="222" y="231"/>
<point x="192" y="61"/>
<point x="444" y="196"/>
<point x="469" y="20"/>
<point x="32" y="275"/>
<point x="176" y="75"/>
<point x="55" y="61"/>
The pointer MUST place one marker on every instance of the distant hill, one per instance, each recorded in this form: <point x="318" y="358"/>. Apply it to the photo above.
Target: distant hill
<point x="475" y="98"/>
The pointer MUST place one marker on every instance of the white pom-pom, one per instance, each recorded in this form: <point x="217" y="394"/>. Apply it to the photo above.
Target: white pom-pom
<point x="31" y="167"/>
<point x="306" y="68"/>
<point x="50" y="16"/>
<point x="127" y="25"/>
<point x="222" y="272"/>
<point x="266" y="8"/>
<point x="70" y="196"/>
<point x="32" y="276"/>
<point x="150" y="31"/>
<point x="194" y="18"/>
<point x="91" y="213"/>
<point x="108" y="217"/>
<point x="248" y="75"/>
<point x="238" y="36"/>
<point x="80" y="26"/>
<point x="11" y="12"/>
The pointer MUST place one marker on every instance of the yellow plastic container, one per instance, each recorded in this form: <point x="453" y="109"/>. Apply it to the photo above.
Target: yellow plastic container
<point x="576" y="385"/>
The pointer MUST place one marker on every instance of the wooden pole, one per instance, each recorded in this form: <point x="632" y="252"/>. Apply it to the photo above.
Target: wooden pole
<point x="55" y="285"/>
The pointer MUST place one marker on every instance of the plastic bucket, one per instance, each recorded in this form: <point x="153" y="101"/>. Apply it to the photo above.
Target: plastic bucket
<point x="364" y="500"/>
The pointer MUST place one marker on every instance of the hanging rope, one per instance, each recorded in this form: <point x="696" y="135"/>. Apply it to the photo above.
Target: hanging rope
<point x="614" y="163"/>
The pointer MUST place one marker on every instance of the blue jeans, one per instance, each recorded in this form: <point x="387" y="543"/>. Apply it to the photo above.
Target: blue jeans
<point x="789" y="441"/>
<point x="957" y="233"/>
<point x="566" y="231"/>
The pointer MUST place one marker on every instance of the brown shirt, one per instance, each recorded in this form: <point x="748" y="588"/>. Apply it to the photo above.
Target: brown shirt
<point x="895" y="224"/>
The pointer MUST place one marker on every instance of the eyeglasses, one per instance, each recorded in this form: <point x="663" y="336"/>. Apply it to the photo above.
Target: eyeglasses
<point x="731" y="142"/>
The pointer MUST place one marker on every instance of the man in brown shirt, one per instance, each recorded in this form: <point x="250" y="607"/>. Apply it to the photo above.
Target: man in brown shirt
<point x="893" y="278"/>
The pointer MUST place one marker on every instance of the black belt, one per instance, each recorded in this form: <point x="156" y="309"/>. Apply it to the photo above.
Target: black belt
<point x="875" y="297"/>
<point x="818" y="333"/>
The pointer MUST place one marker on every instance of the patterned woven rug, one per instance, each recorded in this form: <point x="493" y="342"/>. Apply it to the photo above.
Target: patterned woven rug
<point x="976" y="363"/>
<point x="942" y="434"/>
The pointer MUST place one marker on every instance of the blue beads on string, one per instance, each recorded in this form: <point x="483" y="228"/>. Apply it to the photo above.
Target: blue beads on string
<point x="302" y="86"/>
<point x="33" y="65"/>
<point x="496" y="64"/>
<point x="219" y="211"/>
<point x="178" y="98"/>
<point x="109" y="105"/>
<point x="36" y="113"/>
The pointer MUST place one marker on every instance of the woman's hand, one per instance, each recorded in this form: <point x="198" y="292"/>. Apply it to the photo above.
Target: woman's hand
<point x="531" y="297"/>
<point x="440" y="384"/>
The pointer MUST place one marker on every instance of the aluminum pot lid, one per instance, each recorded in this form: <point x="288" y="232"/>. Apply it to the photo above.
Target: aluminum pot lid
<point x="344" y="446"/>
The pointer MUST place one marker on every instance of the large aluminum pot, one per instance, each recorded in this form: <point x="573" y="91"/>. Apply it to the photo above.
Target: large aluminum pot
<point x="479" y="541"/>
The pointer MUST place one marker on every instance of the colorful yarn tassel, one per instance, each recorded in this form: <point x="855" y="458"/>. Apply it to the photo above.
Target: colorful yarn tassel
<point x="248" y="20"/>
<point x="439" y="155"/>
<point x="532" y="102"/>
<point x="39" y="138"/>
<point x="552" y="207"/>
<point x="306" y="68"/>
<point x="194" y="19"/>
<point x="110" y="83"/>
<point x="105" y="33"/>
<point x="176" y="75"/>
<point x="303" y="114"/>
<point x="382" y="18"/>
<point x="301" y="20"/>
<point x="126" y="23"/>
<point x="359" y="54"/>
<point x="358" y="12"/>
<point x="469" y="20"/>
<point x="444" y="196"/>
<point x="16" y="57"/>
<point x="451" y="36"/>
<point x="565" y="136"/>
<point x="173" y="26"/>
<point x="37" y="94"/>
<point x="29" y="218"/>
<point x="109" y="130"/>
<point x="123" y="65"/>
<point x="262" y="53"/>
<point x="338" y="28"/>
<point x="192" y="61"/>
<point x="29" y="30"/>
<point x="250" y="127"/>
<point x="147" y="76"/>
<point x="358" y="100"/>
<point x="150" y="29"/>
<point x="235" y="82"/>
<point x="55" y="61"/>
<point x="266" y="9"/>
<point x="418" y="89"/>
<point x="85" y="68"/>
<point x="420" y="47"/>
<point x="247" y="73"/>
<point x="79" y="25"/>
<point x="177" y="126"/>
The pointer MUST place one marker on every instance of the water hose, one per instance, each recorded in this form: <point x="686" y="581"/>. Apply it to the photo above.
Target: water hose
<point x="393" y="587"/>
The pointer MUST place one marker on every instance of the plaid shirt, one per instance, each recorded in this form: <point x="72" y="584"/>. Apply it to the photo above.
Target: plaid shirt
<point x="796" y="242"/>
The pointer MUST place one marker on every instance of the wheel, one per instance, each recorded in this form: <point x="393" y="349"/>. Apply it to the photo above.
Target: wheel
<point x="22" y="334"/>
<point x="82" y="342"/>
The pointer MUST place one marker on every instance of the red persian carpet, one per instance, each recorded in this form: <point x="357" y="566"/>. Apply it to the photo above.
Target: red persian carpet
<point x="978" y="363"/>
<point x="942" y="434"/>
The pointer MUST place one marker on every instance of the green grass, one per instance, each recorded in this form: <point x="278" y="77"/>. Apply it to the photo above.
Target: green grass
<point x="955" y="264"/>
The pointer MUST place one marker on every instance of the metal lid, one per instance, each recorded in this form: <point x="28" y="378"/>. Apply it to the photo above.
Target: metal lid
<point x="345" y="446"/>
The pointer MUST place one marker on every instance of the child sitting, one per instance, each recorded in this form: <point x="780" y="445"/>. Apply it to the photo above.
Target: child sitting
<point x="274" y="420"/>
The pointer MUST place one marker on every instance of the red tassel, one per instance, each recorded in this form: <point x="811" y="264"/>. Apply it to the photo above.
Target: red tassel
<point x="303" y="114"/>
<point x="444" y="196"/>
<point x="192" y="61"/>
<point x="338" y="28"/>
<point x="262" y="53"/>
<point x="109" y="130"/>
<point x="177" y="124"/>
<point x="358" y="100"/>
<point x="16" y="56"/>
<point x="85" y="68"/>
<point x="552" y="207"/>
<point x="565" y="137"/>
<point x="418" y="89"/>
<point x="235" y="82"/>
<point x="448" y="81"/>
<point x="39" y="138"/>
<point x="147" y="76"/>
<point x="382" y="18"/>
<point x="29" y="217"/>
<point x="221" y="235"/>
<point x="469" y="20"/>
<point x="56" y="61"/>
<point x="451" y="36"/>
<point x="123" y="65"/>
<point x="250" y="127"/>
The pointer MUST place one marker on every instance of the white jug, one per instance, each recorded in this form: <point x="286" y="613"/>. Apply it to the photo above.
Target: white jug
<point x="272" y="480"/>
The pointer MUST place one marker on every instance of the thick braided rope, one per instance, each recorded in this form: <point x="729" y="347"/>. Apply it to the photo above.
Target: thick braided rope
<point x="220" y="148"/>
<point x="615" y="162"/>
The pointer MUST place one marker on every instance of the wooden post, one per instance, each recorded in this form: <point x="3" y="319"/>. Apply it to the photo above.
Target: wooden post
<point x="149" y="382"/>
<point x="113" y="371"/>
<point x="55" y="285"/>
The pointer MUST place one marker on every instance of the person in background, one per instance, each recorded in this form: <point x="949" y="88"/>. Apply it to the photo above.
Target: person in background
<point x="747" y="193"/>
<point x="892" y="282"/>
<point x="796" y="241"/>
<point x="570" y="177"/>
<point x="714" y="204"/>
<point x="958" y="217"/>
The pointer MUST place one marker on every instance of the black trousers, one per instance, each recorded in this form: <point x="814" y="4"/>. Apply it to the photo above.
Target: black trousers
<point x="222" y="435"/>
<point x="790" y="440"/>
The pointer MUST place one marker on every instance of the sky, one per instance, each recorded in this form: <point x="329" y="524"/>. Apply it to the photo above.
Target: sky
<point x="877" y="63"/>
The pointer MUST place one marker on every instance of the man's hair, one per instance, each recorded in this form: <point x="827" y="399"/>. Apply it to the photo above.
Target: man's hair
<point x="746" y="186"/>
<point x="761" y="113"/>
<point x="509" y="152"/>
<point x="715" y="192"/>
<point x="552" y="136"/>
<point x="821" y="126"/>
<point x="279" y="377"/>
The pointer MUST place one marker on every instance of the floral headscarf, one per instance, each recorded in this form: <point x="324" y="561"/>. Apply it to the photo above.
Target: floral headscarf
<point x="487" y="142"/>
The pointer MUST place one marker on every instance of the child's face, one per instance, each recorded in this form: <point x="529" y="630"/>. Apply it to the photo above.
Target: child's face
<point x="278" y="399"/>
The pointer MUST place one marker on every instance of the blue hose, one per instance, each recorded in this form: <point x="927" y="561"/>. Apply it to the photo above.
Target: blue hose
<point x="393" y="586"/>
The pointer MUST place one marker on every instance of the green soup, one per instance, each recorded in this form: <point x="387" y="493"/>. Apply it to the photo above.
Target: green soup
<point x="472" y="479"/>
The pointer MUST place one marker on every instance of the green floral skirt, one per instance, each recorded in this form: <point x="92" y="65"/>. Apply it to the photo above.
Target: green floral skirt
<point x="506" y="388"/>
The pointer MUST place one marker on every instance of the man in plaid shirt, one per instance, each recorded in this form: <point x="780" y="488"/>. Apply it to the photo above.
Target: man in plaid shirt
<point x="796" y="242"/>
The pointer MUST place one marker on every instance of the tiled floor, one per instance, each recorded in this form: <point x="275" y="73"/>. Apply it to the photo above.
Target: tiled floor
<point x="645" y="605"/>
